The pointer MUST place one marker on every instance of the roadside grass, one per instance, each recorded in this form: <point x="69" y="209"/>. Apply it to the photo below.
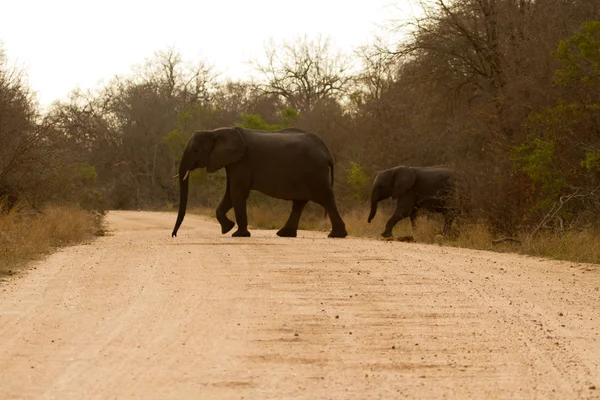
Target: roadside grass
<point x="583" y="246"/>
<point x="27" y="235"/>
<point x="570" y="246"/>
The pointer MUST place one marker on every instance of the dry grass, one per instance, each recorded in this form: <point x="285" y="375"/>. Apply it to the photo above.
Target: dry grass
<point x="474" y="236"/>
<point x="25" y="236"/>
<point x="573" y="246"/>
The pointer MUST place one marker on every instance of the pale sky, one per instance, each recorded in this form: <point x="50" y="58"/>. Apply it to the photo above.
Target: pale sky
<point x="65" y="44"/>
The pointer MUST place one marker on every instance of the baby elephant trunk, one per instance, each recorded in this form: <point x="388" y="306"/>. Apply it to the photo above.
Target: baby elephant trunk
<point x="374" y="200"/>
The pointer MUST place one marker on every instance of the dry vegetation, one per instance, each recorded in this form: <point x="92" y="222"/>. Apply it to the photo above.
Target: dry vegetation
<point x="26" y="235"/>
<point x="44" y="184"/>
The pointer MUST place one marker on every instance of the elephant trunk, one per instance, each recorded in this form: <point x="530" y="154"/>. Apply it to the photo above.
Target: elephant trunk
<point x="184" y="183"/>
<point x="374" y="201"/>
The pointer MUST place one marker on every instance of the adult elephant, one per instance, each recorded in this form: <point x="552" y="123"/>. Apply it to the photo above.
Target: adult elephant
<point x="414" y="188"/>
<point x="289" y="164"/>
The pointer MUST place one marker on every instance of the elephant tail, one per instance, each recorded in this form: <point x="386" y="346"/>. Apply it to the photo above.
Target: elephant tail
<point x="331" y="174"/>
<point x="331" y="171"/>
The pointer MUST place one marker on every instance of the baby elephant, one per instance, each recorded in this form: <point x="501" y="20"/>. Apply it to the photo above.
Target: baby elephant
<point x="414" y="188"/>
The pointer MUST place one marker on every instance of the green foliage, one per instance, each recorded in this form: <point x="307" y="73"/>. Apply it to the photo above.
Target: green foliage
<point x="356" y="178"/>
<point x="288" y="116"/>
<point x="86" y="173"/>
<point x="537" y="159"/>
<point x="255" y="121"/>
<point x="591" y="162"/>
<point x="579" y="56"/>
<point x="553" y="156"/>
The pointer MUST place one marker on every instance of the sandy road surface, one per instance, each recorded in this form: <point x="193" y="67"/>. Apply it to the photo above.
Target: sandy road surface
<point x="140" y="315"/>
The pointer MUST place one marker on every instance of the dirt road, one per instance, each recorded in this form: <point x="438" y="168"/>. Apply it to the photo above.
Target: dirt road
<point x="140" y="315"/>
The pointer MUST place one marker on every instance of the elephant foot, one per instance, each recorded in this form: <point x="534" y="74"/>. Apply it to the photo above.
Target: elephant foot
<point x="287" y="231"/>
<point x="338" y="233"/>
<point x="241" y="233"/>
<point x="387" y="234"/>
<point x="226" y="226"/>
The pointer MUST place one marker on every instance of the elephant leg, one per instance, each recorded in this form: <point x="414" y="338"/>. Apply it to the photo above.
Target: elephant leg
<point x="389" y="226"/>
<point x="404" y="208"/>
<point x="238" y="198"/>
<point x="413" y="219"/>
<point x="225" y="205"/>
<point x="338" y="227"/>
<point x="290" y="229"/>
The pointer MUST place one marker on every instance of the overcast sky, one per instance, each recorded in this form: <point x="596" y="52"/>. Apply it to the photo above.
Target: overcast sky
<point x="64" y="44"/>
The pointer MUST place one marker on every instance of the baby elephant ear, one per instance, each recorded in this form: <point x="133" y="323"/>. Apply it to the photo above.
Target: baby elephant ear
<point x="229" y="147"/>
<point x="404" y="179"/>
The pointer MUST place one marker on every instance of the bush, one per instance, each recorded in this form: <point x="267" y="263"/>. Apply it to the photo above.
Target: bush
<point x="357" y="179"/>
<point x="26" y="235"/>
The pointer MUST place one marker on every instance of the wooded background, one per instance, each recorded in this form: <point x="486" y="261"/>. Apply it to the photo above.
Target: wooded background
<point x="505" y="91"/>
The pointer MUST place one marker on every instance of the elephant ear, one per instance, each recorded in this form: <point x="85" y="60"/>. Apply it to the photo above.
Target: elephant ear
<point x="404" y="179"/>
<point x="229" y="147"/>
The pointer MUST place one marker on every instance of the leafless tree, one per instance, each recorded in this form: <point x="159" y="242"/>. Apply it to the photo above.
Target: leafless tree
<point x="121" y="129"/>
<point x="304" y="72"/>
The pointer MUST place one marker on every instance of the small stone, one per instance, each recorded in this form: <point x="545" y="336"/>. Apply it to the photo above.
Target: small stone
<point x="393" y="347"/>
<point x="295" y="334"/>
<point x="337" y="316"/>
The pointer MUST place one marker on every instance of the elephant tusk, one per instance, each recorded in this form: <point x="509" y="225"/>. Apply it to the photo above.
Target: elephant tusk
<point x="186" y="174"/>
<point x="176" y="176"/>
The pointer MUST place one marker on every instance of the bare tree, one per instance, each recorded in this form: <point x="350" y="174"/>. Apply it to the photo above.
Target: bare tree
<point x="304" y="72"/>
<point x="378" y="70"/>
<point x="20" y="139"/>
<point x="189" y="82"/>
<point x="37" y="162"/>
<point x="122" y="128"/>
